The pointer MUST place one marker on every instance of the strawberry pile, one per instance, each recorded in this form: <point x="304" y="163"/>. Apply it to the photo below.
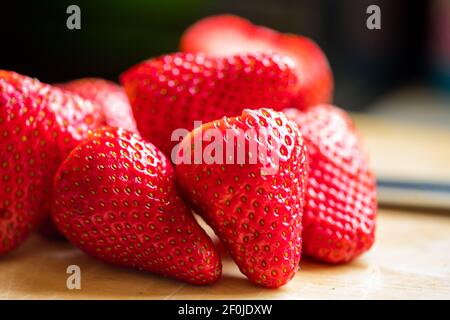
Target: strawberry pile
<point x="237" y="130"/>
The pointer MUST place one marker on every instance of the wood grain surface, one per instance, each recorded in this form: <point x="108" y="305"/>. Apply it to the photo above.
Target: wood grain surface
<point x="409" y="260"/>
<point x="406" y="151"/>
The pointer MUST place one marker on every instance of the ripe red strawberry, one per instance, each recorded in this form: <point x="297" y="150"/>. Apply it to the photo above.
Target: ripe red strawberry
<point x="39" y="125"/>
<point x="115" y="198"/>
<point x="173" y="91"/>
<point x="256" y="212"/>
<point x="228" y="34"/>
<point x="109" y="97"/>
<point x="341" y="205"/>
<point x="111" y="103"/>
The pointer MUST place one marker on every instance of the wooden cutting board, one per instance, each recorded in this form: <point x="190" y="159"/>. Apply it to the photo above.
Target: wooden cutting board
<point x="411" y="161"/>
<point x="406" y="151"/>
<point x="411" y="257"/>
<point x="409" y="260"/>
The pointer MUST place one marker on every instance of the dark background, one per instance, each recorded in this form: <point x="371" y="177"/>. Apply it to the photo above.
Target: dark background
<point x="116" y="34"/>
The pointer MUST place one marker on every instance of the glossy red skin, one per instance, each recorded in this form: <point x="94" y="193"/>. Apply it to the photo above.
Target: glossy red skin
<point x="39" y="125"/>
<point x="109" y="97"/>
<point x="115" y="198"/>
<point x="173" y="91"/>
<point x="257" y="217"/>
<point x="340" y="213"/>
<point x="111" y="103"/>
<point x="229" y="34"/>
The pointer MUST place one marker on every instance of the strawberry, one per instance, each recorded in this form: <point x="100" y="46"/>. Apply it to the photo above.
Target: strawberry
<point x="111" y="103"/>
<point x="255" y="207"/>
<point x="115" y="198"/>
<point x="39" y="125"/>
<point x="109" y="98"/>
<point x="173" y="91"/>
<point x="341" y="205"/>
<point x="228" y="34"/>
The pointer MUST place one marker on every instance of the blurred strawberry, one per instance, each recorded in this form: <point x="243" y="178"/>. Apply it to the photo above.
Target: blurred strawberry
<point x="108" y="96"/>
<point x="39" y="125"/>
<point x="173" y="91"/>
<point x="229" y="34"/>
<point x="340" y="212"/>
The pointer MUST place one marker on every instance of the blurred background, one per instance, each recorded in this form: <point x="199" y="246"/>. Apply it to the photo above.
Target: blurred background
<point x="412" y="46"/>
<point x="399" y="75"/>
